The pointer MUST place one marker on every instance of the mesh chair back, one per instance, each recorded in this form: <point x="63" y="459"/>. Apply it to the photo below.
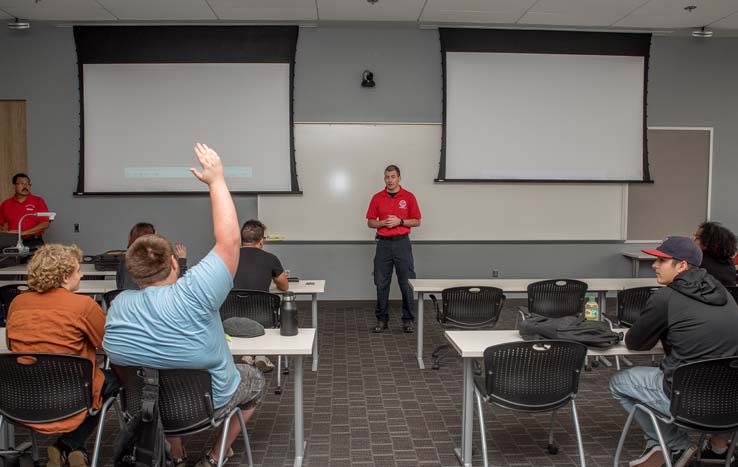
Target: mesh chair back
<point x="733" y="291"/>
<point x="7" y="294"/>
<point x="471" y="307"/>
<point x="110" y="296"/>
<point x="556" y="297"/>
<point x="705" y="395"/>
<point x="41" y="388"/>
<point x="631" y="303"/>
<point x="262" y="307"/>
<point x="185" y="400"/>
<point x="533" y="375"/>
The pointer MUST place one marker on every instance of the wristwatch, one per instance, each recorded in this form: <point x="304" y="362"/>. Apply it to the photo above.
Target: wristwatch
<point x="402" y="221"/>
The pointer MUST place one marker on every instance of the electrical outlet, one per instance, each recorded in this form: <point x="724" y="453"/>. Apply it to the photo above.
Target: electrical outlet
<point x="495" y="273"/>
<point x="76" y="227"/>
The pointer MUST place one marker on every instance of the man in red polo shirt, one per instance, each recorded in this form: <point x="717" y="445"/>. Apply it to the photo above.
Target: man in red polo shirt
<point x="20" y="204"/>
<point x="393" y="212"/>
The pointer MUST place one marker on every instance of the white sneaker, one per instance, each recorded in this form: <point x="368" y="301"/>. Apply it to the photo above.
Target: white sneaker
<point x="248" y="359"/>
<point x="264" y="364"/>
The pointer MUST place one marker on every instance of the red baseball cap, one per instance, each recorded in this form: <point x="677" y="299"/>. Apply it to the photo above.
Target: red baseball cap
<point x="681" y="248"/>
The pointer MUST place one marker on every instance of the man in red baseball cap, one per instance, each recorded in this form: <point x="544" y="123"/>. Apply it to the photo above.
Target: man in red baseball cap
<point x="695" y="318"/>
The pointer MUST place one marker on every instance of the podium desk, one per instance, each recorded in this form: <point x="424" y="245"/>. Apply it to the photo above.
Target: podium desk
<point x="598" y="286"/>
<point x="310" y="287"/>
<point x="471" y="345"/>
<point x="271" y="343"/>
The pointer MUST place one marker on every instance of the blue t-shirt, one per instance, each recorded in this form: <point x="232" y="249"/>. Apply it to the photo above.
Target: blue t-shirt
<point x="176" y="326"/>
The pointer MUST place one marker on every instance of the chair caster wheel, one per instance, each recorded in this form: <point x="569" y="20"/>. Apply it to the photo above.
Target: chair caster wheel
<point x="595" y="363"/>
<point x="587" y="367"/>
<point x="286" y="371"/>
<point x="436" y="366"/>
<point x="278" y="391"/>
<point x="553" y="449"/>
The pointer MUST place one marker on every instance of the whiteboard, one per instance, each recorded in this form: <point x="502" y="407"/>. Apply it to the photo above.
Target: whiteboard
<point x="340" y="167"/>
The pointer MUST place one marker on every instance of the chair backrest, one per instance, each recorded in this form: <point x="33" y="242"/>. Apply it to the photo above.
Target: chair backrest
<point x="705" y="395"/>
<point x="555" y="298"/>
<point x="7" y="294"/>
<point x="108" y="297"/>
<point x="733" y="291"/>
<point x="631" y="303"/>
<point x="262" y="307"/>
<point x="185" y="396"/>
<point x="471" y="307"/>
<point x="41" y="388"/>
<point x="533" y="375"/>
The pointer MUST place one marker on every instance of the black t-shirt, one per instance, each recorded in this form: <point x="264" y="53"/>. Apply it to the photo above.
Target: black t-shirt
<point x="256" y="268"/>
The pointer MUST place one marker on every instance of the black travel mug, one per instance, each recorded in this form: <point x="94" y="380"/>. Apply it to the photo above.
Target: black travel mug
<point x="289" y="315"/>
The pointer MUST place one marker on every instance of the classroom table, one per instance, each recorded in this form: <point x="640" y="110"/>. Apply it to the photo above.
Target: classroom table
<point x="271" y="343"/>
<point x="471" y="345"/>
<point x="311" y="287"/>
<point x="428" y="286"/>
<point x="636" y="259"/>
<point x="95" y="288"/>
<point x="87" y="270"/>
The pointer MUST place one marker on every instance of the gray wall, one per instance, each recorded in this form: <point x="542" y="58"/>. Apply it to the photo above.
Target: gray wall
<point x="691" y="84"/>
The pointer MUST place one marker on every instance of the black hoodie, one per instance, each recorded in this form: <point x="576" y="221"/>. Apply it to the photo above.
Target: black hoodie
<point x="694" y="317"/>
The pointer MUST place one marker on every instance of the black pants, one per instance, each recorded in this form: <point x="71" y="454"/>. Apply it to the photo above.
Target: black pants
<point x="394" y="252"/>
<point x="75" y="440"/>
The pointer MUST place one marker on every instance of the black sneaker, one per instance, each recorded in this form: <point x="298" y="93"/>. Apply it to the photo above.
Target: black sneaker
<point x="650" y="457"/>
<point x="709" y="454"/>
<point x="381" y="326"/>
<point x="408" y="327"/>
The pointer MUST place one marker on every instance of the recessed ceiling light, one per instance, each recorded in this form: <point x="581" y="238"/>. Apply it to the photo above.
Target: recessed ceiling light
<point x="18" y="24"/>
<point x="702" y="32"/>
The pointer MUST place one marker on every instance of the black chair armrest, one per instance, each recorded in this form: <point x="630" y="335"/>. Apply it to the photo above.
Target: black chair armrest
<point x="435" y="306"/>
<point x="477" y="368"/>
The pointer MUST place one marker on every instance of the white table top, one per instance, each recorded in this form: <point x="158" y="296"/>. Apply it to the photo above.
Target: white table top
<point x="471" y="344"/>
<point x="85" y="287"/>
<point x="22" y="270"/>
<point x="521" y="285"/>
<point x="639" y="256"/>
<point x="271" y="343"/>
<point x="307" y="286"/>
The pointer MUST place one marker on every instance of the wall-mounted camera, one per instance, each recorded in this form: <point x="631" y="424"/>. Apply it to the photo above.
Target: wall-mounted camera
<point x="367" y="79"/>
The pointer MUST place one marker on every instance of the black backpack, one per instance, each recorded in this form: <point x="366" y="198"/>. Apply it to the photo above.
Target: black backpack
<point x="571" y="328"/>
<point x="142" y="443"/>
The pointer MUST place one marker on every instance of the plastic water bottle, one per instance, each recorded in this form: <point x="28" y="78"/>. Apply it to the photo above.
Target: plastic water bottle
<point x="592" y="309"/>
<point x="288" y="315"/>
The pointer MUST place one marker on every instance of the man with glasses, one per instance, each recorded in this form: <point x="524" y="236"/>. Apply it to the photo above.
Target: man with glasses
<point x="21" y="203"/>
<point x="695" y="319"/>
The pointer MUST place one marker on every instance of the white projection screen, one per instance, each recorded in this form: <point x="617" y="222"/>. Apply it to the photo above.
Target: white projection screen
<point x="544" y="117"/>
<point x="141" y="121"/>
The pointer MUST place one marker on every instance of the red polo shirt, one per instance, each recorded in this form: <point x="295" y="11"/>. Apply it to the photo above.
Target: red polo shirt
<point x="402" y="205"/>
<point x="11" y="210"/>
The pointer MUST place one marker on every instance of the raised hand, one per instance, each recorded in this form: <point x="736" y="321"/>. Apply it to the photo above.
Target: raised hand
<point x="212" y="167"/>
<point x="180" y="250"/>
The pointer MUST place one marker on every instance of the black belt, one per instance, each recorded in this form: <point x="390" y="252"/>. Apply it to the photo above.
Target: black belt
<point x="392" y="238"/>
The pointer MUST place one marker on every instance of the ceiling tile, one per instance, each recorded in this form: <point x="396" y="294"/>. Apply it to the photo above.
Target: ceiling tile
<point x="361" y="10"/>
<point x="56" y="10"/>
<point x="671" y="14"/>
<point x="729" y="22"/>
<point x="265" y="10"/>
<point x="475" y="11"/>
<point x="162" y="10"/>
<point x="579" y="12"/>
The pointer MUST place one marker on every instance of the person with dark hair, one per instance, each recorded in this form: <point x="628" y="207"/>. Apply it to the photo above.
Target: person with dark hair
<point x="21" y="203"/>
<point x="175" y="322"/>
<point x="718" y="245"/>
<point x="257" y="269"/>
<point x="695" y="319"/>
<point x="393" y="212"/>
<point x="124" y="279"/>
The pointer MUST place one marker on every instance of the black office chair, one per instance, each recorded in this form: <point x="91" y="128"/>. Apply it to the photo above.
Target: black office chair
<point x="631" y="303"/>
<point x="185" y="403"/>
<point x="7" y="294"/>
<point x="108" y="297"/>
<point x="704" y="398"/>
<point x="43" y="388"/>
<point x="466" y="308"/>
<point x="262" y="307"/>
<point x="531" y="376"/>
<point x="555" y="298"/>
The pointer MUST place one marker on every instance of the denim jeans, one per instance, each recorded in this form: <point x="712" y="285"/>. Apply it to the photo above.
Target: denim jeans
<point x="644" y="385"/>
<point x="398" y="253"/>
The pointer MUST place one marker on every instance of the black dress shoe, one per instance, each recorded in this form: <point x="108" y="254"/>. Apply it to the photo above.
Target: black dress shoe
<point x="408" y="327"/>
<point x="381" y="326"/>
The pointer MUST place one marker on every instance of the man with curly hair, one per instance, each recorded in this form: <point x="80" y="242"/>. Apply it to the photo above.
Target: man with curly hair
<point x="53" y="319"/>
<point x="718" y="245"/>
